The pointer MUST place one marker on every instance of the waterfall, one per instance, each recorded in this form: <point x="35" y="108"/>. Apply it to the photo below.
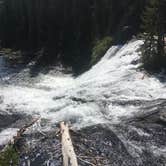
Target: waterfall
<point x="114" y="91"/>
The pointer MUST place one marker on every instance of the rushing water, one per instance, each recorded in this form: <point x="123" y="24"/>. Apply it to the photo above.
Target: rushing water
<point x="113" y="92"/>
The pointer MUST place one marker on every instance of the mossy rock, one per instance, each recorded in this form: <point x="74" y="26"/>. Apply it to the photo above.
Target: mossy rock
<point x="100" y="48"/>
<point x="7" y="50"/>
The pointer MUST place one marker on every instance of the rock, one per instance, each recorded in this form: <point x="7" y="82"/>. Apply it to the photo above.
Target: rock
<point x="1" y="99"/>
<point x="13" y="120"/>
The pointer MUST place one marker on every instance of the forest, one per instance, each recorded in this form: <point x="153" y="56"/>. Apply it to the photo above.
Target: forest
<point x="82" y="82"/>
<point x="67" y="31"/>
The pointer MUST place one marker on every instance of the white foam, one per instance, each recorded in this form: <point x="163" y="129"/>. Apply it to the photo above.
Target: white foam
<point x="64" y="97"/>
<point x="56" y="82"/>
<point x="7" y="135"/>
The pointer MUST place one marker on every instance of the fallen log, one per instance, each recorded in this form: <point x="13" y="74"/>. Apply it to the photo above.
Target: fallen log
<point x="69" y="156"/>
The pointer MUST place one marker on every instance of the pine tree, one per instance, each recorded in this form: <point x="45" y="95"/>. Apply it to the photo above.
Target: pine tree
<point x="153" y="25"/>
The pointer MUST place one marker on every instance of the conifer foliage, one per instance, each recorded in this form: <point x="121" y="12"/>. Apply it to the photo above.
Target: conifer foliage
<point x="65" y="30"/>
<point x="154" y="17"/>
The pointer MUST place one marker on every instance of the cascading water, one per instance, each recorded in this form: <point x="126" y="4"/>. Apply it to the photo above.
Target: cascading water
<point x="114" y="92"/>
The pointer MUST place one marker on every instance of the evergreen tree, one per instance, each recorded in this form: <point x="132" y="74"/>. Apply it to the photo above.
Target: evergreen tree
<point x="153" y="54"/>
<point x="66" y="30"/>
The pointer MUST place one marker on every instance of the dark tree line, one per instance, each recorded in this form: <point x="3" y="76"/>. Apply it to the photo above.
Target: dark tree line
<point x="67" y="29"/>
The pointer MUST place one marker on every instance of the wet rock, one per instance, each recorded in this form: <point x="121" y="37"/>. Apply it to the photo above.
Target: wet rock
<point x="7" y="120"/>
<point x="163" y="118"/>
<point x="40" y="149"/>
<point x="81" y="100"/>
<point x="14" y="120"/>
<point x="101" y="145"/>
<point x="58" y="97"/>
<point x="144" y="141"/>
<point x="135" y="62"/>
<point x="1" y="99"/>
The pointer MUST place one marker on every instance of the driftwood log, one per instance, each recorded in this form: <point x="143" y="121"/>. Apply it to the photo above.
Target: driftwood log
<point x="69" y="156"/>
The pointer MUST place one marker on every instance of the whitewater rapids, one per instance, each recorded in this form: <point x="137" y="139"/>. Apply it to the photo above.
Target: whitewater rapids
<point x="114" y="91"/>
<point x="89" y="98"/>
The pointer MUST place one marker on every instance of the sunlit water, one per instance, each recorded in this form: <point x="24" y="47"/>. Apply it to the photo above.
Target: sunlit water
<point x="113" y="91"/>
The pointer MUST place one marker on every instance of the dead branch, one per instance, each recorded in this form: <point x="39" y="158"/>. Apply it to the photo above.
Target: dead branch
<point x="87" y="162"/>
<point x="22" y="130"/>
<point x="19" y="134"/>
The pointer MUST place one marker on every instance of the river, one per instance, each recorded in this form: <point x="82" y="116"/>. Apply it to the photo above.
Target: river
<point x="114" y="95"/>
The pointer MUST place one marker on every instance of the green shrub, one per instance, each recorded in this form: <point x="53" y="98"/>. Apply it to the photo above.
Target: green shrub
<point x="100" y="48"/>
<point x="9" y="157"/>
<point x="6" y="50"/>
